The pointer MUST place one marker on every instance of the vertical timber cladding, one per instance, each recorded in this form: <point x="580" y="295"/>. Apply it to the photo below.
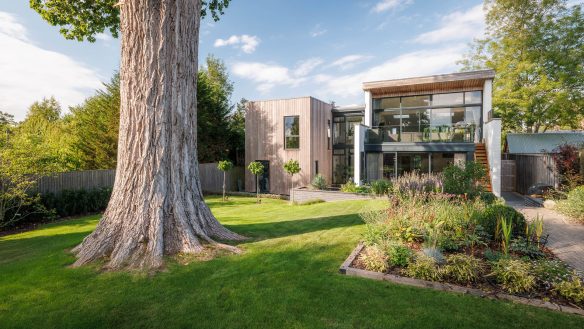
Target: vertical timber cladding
<point x="264" y="140"/>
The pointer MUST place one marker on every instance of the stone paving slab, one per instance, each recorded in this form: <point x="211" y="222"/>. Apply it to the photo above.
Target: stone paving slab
<point x="566" y="238"/>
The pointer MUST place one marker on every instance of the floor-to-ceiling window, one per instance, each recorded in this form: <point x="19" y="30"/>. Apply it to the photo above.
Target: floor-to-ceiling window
<point x="387" y="165"/>
<point x="343" y="145"/>
<point x="448" y="117"/>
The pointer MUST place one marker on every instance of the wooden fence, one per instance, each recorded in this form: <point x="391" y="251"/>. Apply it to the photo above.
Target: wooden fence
<point x="211" y="180"/>
<point x="532" y="169"/>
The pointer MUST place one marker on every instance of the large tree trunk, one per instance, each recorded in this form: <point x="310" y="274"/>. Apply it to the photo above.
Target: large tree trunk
<point x="157" y="206"/>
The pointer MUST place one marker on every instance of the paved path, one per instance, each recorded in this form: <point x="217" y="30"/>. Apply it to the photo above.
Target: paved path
<point x="566" y="238"/>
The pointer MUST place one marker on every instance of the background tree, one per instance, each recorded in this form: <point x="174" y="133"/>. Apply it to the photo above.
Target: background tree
<point x="536" y="48"/>
<point x="292" y="167"/>
<point x="94" y="126"/>
<point x="157" y="206"/>
<point x="224" y="166"/>
<point x="256" y="168"/>
<point x="214" y="90"/>
<point x="237" y="130"/>
<point x="41" y="143"/>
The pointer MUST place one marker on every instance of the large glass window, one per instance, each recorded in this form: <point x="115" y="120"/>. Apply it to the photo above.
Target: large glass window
<point x="447" y="99"/>
<point x="339" y="132"/>
<point x="292" y="132"/>
<point x="386" y="103"/>
<point x="473" y="97"/>
<point x="416" y="101"/>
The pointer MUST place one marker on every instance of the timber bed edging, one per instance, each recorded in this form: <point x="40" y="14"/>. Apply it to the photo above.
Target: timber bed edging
<point x="346" y="269"/>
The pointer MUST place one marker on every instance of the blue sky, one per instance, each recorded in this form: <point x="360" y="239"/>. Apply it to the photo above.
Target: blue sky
<point x="272" y="48"/>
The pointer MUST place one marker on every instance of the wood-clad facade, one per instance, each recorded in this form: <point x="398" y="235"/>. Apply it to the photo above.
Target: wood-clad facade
<point x="264" y="141"/>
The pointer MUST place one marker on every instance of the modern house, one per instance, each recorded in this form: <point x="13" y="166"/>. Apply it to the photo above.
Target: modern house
<point x="414" y="124"/>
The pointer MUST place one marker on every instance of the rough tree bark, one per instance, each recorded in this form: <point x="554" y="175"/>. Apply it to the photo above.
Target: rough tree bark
<point x="156" y="208"/>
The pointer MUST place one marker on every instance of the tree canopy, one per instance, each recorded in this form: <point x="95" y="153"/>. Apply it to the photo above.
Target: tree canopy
<point x="83" y="19"/>
<point x="536" y="48"/>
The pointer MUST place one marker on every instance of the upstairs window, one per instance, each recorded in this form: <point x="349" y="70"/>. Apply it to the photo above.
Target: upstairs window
<point x="292" y="132"/>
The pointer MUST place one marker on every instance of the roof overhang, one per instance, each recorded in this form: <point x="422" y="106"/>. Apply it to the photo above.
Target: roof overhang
<point x="463" y="81"/>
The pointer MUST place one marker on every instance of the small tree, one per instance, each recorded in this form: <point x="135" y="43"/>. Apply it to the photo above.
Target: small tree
<point x="224" y="166"/>
<point x="292" y="167"/>
<point x="256" y="168"/>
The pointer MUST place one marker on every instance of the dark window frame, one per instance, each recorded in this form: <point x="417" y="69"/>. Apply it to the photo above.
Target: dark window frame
<point x="297" y="117"/>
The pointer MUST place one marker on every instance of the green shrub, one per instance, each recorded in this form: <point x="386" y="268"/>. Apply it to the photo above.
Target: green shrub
<point x="513" y="275"/>
<point x="380" y="187"/>
<point x="424" y="267"/>
<point x="77" y="202"/>
<point x="463" y="179"/>
<point x="398" y="254"/>
<point x="550" y="272"/>
<point x="493" y="213"/>
<point x="319" y="182"/>
<point x="349" y="187"/>
<point x="571" y="289"/>
<point x="573" y="205"/>
<point x="492" y="255"/>
<point x="374" y="259"/>
<point x="463" y="268"/>
<point x="522" y="247"/>
<point x="363" y="189"/>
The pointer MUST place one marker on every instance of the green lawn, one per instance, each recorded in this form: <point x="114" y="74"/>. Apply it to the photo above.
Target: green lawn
<point x="287" y="278"/>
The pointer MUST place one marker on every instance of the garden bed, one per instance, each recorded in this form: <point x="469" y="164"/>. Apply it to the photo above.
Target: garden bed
<point x="352" y="267"/>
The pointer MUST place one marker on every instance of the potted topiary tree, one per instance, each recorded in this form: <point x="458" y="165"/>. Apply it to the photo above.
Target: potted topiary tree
<point x="292" y="167"/>
<point x="256" y="168"/>
<point x="224" y="166"/>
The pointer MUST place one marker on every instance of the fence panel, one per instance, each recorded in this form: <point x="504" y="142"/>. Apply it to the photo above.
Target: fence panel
<point x="532" y="169"/>
<point x="508" y="176"/>
<point x="211" y="180"/>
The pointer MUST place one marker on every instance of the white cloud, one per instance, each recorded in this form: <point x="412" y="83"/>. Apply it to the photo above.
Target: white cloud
<point x="317" y="31"/>
<point x="104" y="37"/>
<point x="349" y="61"/>
<point x="29" y="73"/>
<point x="385" y="5"/>
<point x="418" y="63"/>
<point x="459" y="25"/>
<point x="307" y="66"/>
<point x="247" y="43"/>
<point x="268" y="76"/>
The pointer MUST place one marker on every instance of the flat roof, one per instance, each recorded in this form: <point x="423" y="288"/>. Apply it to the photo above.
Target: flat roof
<point x="542" y="142"/>
<point x="349" y="108"/>
<point x="470" y="75"/>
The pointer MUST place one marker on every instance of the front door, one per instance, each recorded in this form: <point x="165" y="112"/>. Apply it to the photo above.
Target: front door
<point x="265" y="177"/>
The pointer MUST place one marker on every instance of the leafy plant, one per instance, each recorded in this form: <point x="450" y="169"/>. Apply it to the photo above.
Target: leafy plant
<point x="424" y="267"/>
<point x="224" y="166"/>
<point x="567" y="161"/>
<point x="464" y="179"/>
<point x="549" y="272"/>
<point x="319" y="182"/>
<point x="506" y="233"/>
<point x="292" y="167"/>
<point x="513" y="275"/>
<point x="492" y="255"/>
<point x="463" y="268"/>
<point x="256" y="168"/>
<point x="398" y="254"/>
<point x="489" y="219"/>
<point x="573" y="205"/>
<point x="374" y="259"/>
<point x="571" y="289"/>
<point x="380" y="187"/>
<point x="77" y="202"/>
<point x="349" y="187"/>
<point x="523" y="247"/>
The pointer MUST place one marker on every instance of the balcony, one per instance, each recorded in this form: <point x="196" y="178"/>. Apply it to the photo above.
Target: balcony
<point x="434" y="134"/>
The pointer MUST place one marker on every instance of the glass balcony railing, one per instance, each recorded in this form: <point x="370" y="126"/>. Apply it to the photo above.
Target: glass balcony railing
<point x="440" y="134"/>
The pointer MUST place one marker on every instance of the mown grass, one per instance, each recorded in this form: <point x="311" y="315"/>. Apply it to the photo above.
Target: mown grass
<point x="287" y="278"/>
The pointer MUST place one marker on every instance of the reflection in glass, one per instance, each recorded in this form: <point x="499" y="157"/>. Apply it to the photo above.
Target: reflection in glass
<point x="447" y="99"/>
<point x="473" y="97"/>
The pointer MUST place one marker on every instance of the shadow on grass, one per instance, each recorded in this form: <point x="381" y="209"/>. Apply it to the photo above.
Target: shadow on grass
<point x="263" y="231"/>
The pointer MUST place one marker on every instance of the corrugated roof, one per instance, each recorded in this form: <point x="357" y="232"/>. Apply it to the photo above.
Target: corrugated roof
<point x="541" y="143"/>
